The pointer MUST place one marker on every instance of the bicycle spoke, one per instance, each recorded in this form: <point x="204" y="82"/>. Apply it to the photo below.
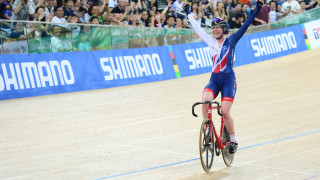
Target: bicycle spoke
<point x="207" y="159"/>
<point x="206" y="146"/>
<point x="203" y="149"/>
<point x="211" y="150"/>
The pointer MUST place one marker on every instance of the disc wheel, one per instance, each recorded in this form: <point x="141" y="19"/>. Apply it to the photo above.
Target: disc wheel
<point x="206" y="145"/>
<point x="227" y="157"/>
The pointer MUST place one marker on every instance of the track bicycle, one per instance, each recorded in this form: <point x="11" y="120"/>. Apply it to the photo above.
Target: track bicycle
<point x="210" y="143"/>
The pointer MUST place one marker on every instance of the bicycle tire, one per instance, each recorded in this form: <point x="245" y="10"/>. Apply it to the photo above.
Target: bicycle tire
<point x="227" y="157"/>
<point x="206" y="145"/>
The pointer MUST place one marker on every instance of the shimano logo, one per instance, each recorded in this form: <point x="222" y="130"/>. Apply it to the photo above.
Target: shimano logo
<point x="28" y="75"/>
<point x="199" y="57"/>
<point x="124" y="67"/>
<point x="273" y="44"/>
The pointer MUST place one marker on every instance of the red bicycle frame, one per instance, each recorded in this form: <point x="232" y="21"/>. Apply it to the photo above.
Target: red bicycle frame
<point x="218" y="138"/>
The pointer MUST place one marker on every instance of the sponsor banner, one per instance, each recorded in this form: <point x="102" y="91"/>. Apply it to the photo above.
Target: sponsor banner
<point x="15" y="47"/>
<point x="313" y="33"/>
<point x="27" y="75"/>
<point x="193" y="58"/>
<point x="269" y="45"/>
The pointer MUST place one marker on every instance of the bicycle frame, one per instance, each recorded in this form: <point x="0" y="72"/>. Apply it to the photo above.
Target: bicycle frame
<point x="218" y="138"/>
<point x="207" y="144"/>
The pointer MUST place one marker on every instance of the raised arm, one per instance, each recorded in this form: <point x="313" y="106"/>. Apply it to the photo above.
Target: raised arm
<point x="197" y="28"/>
<point x="236" y="37"/>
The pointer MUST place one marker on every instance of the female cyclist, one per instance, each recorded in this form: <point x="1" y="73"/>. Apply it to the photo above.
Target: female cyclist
<point x="222" y="77"/>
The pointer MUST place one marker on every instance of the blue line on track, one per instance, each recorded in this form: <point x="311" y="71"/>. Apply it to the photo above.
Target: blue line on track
<point x="181" y="162"/>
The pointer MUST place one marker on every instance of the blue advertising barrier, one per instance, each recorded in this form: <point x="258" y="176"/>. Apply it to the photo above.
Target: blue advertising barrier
<point x="269" y="45"/>
<point x="27" y="75"/>
<point x="193" y="58"/>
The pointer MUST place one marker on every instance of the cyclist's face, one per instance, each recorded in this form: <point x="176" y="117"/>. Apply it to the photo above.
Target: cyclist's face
<point x="217" y="31"/>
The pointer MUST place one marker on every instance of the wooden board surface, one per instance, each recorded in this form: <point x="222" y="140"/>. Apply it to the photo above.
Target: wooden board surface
<point x="147" y="131"/>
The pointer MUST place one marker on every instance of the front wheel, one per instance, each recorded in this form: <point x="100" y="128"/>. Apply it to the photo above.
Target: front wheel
<point x="227" y="157"/>
<point x="206" y="145"/>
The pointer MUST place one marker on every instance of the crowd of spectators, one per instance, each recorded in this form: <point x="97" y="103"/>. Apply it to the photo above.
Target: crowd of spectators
<point x="138" y="13"/>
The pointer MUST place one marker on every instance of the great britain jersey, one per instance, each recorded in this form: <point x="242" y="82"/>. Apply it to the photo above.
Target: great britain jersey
<point x="222" y="57"/>
<point x="222" y="78"/>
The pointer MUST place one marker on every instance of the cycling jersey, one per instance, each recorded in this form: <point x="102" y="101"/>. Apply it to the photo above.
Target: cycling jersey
<point x="222" y="77"/>
<point x="222" y="56"/>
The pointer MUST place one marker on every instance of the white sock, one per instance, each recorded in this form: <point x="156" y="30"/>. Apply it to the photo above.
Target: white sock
<point x="233" y="138"/>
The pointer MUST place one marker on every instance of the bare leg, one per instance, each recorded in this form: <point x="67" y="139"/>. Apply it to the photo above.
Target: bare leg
<point x="206" y="96"/>
<point x="226" y="107"/>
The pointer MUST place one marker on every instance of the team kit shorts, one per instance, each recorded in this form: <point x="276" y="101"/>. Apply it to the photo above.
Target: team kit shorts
<point x="224" y="82"/>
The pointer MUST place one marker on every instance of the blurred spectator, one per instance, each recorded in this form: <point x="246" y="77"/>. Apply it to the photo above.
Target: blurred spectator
<point x="290" y="8"/>
<point x="56" y="43"/>
<point x="171" y="36"/>
<point x="220" y="11"/>
<point x="178" y="23"/>
<point x="185" y="23"/>
<point x="101" y="39"/>
<point x="263" y="15"/>
<point x="160" y="19"/>
<point x="94" y="10"/>
<point x="134" y="19"/>
<point x="112" y="4"/>
<point x="239" y="21"/>
<point x="67" y="42"/>
<point x="207" y="8"/>
<point x="6" y="9"/>
<point x="84" y="44"/>
<point x="94" y="20"/>
<point x="58" y="15"/>
<point x="279" y="12"/>
<point x="245" y="10"/>
<point x="18" y="32"/>
<point x="49" y="9"/>
<point x="303" y="6"/>
<point x="82" y="11"/>
<point x="120" y="8"/>
<point x="177" y="6"/>
<point x="76" y="6"/>
<point x="39" y="14"/>
<point x="171" y="21"/>
<point x="58" y="18"/>
<point x="38" y="38"/>
<point x="233" y="13"/>
<point x="144" y="18"/>
<point x="23" y="9"/>
<point x="161" y="4"/>
<point x="273" y="14"/>
<point x="226" y="6"/>
<point x="233" y="3"/>
<point x="68" y="8"/>
<point x="196" y="12"/>
<point x="75" y="28"/>
<point x="310" y="4"/>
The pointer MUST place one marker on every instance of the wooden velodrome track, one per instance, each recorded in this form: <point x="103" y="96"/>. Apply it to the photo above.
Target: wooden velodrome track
<point x="147" y="131"/>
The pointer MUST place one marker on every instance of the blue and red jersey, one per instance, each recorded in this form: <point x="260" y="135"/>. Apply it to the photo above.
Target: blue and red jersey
<point x="223" y="56"/>
<point x="222" y="77"/>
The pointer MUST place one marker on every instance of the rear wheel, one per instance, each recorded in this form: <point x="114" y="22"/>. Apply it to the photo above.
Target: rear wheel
<point x="227" y="157"/>
<point x="206" y="145"/>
